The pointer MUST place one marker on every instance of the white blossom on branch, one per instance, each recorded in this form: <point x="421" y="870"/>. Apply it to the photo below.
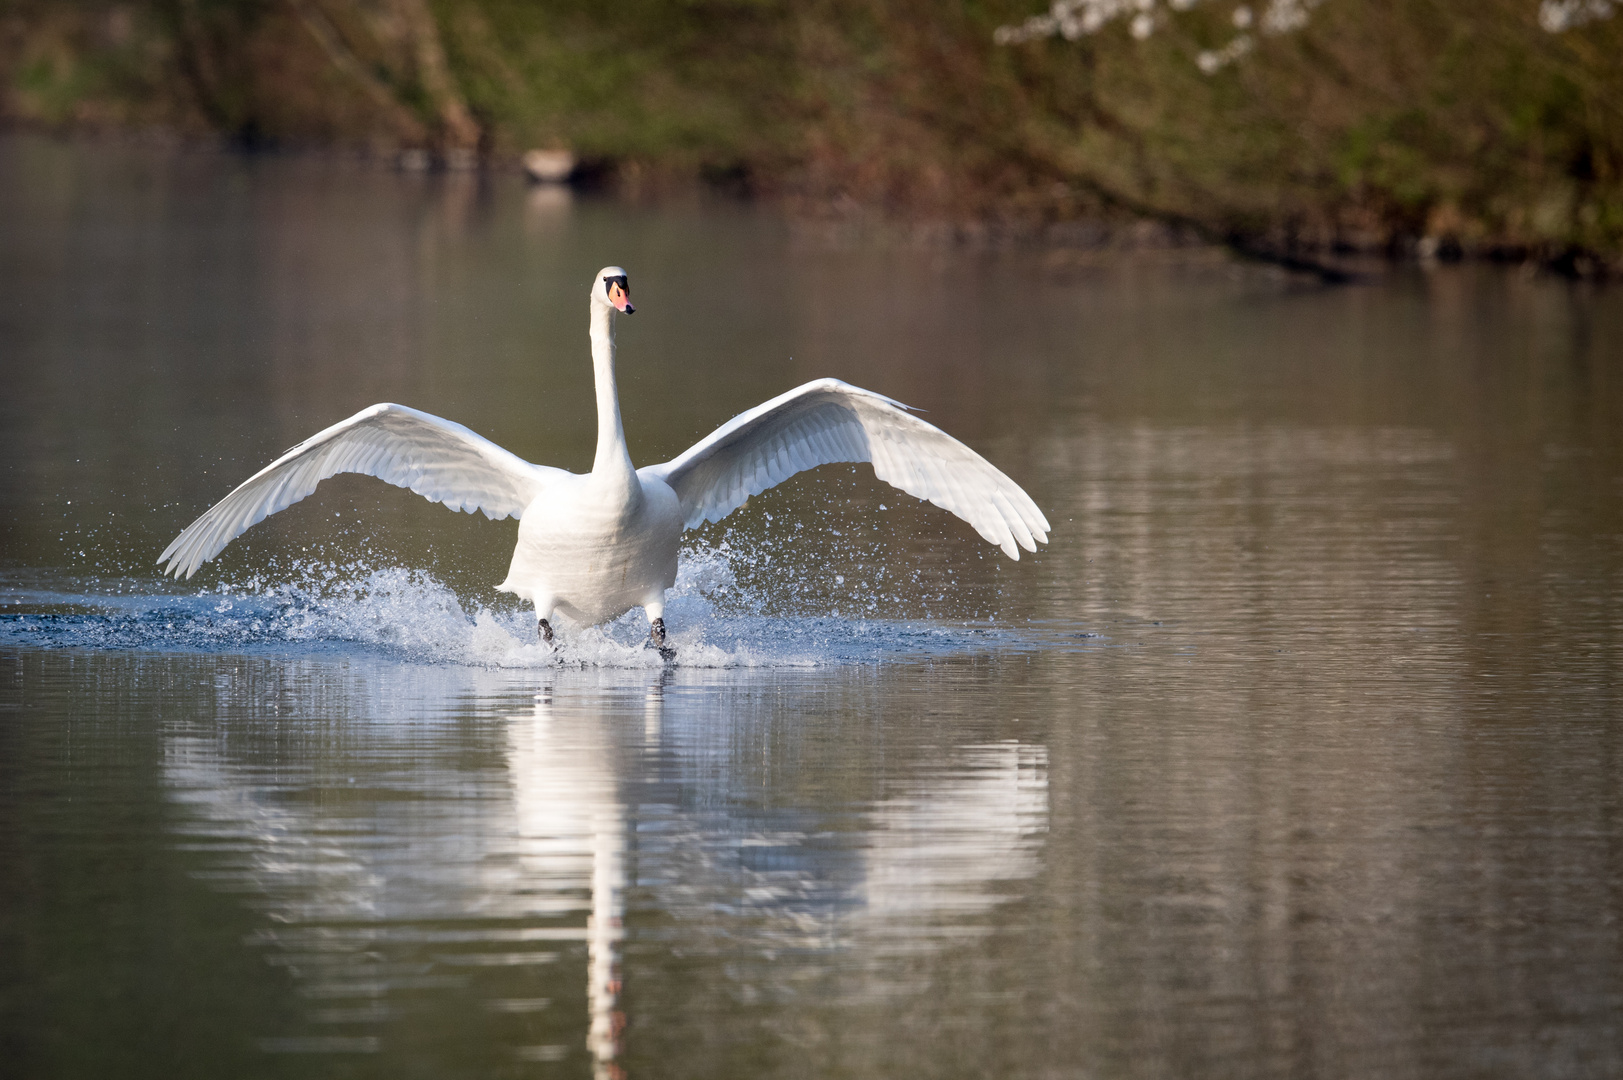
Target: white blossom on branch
<point x="1072" y="19"/>
<point x="1211" y="61"/>
<point x="1558" y="15"/>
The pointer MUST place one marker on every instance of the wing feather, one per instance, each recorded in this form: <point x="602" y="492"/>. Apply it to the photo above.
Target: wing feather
<point x="442" y="461"/>
<point x="829" y="421"/>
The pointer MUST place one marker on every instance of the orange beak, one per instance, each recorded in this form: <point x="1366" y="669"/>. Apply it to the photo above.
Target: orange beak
<point x="620" y="297"/>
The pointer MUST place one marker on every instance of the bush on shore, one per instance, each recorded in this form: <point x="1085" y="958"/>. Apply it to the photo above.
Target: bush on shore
<point x="1443" y="126"/>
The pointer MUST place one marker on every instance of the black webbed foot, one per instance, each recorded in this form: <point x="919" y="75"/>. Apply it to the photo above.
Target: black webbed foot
<point x="546" y="631"/>
<point x="656" y="640"/>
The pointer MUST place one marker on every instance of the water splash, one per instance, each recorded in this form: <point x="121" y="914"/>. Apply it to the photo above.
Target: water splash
<point x="715" y="619"/>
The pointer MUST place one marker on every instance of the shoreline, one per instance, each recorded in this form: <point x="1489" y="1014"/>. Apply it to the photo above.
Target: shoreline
<point x="840" y="220"/>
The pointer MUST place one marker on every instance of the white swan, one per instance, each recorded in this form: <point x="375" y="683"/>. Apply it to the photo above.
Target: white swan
<point x="594" y="546"/>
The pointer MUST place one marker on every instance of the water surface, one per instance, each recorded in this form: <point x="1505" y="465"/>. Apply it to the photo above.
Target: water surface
<point x="1295" y="754"/>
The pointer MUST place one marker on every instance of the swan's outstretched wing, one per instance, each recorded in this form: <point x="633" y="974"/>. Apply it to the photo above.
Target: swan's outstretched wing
<point x="439" y="460"/>
<point x="827" y="421"/>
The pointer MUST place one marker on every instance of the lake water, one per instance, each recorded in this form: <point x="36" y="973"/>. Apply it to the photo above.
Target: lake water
<point x="1297" y="753"/>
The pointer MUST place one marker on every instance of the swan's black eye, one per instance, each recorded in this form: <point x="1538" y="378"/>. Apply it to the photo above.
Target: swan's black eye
<point x="610" y="282"/>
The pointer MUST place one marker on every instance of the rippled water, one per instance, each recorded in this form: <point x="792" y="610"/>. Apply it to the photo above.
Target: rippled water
<point x="1297" y="753"/>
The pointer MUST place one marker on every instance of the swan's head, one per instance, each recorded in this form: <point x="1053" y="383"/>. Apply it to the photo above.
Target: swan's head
<point x="610" y="287"/>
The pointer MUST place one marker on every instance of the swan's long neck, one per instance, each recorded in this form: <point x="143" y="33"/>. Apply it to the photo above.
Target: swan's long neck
<point x="612" y="456"/>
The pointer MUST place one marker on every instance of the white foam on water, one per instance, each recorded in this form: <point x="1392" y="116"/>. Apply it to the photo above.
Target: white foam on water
<point x="412" y="615"/>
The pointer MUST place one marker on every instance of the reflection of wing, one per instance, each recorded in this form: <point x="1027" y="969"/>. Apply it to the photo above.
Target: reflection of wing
<point x="939" y="854"/>
<point x="827" y="421"/>
<point x="453" y="889"/>
<point x="439" y="460"/>
<point x="928" y="866"/>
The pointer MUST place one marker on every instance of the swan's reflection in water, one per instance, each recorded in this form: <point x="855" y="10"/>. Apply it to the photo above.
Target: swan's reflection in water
<point x="414" y="877"/>
<point x="570" y="821"/>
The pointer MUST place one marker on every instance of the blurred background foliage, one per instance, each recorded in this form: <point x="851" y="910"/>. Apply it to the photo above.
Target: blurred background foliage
<point x="1444" y="126"/>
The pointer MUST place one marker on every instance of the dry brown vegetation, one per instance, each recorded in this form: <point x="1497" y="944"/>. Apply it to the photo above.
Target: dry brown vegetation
<point x="1438" y="125"/>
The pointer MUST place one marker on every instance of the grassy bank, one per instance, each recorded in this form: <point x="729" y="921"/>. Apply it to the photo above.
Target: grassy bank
<point x="1435" y="125"/>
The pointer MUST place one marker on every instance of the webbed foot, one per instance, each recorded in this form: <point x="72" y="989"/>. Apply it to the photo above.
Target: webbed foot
<point x="656" y="640"/>
<point x="546" y="631"/>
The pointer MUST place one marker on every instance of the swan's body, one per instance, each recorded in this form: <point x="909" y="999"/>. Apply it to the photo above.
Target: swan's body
<point x="595" y="550"/>
<point x="598" y="544"/>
